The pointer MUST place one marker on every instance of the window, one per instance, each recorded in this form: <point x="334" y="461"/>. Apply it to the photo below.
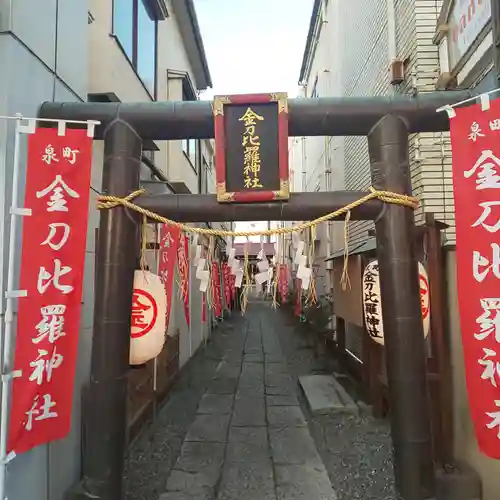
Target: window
<point x="135" y="27"/>
<point x="204" y="175"/>
<point x="189" y="146"/>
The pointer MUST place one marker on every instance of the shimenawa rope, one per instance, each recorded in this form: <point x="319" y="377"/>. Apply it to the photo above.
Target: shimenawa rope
<point x="105" y="202"/>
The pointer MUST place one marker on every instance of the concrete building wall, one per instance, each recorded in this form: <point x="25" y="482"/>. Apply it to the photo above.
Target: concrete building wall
<point x="318" y="161"/>
<point x="43" y="57"/>
<point x="350" y="56"/>
<point x="367" y="73"/>
<point x="364" y="70"/>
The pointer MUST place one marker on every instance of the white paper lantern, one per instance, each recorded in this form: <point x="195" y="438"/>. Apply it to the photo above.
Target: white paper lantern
<point x="372" y="301"/>
<point x="149" y="307"/>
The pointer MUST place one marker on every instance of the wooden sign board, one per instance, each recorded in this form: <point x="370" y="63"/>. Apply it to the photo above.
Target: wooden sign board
<point x="251" y="147"/>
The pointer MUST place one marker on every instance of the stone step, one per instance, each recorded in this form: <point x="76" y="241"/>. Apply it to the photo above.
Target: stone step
<point x="325" y="395"/>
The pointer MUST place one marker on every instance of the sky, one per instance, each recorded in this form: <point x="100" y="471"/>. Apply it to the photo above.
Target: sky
<point x="254" y="46"/>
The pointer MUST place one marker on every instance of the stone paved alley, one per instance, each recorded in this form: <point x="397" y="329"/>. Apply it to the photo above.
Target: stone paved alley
<point x="236" y="426"/>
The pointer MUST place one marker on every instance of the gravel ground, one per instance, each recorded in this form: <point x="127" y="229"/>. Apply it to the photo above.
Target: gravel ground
<point x="356" y="451"/>
<point x="153" y="455"/>
<point x="357" y="455"/>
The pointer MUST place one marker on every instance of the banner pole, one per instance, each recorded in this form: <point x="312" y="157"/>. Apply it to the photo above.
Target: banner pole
<point x="190" y="293"/>
<point x="11" y="295"/>
<point x="155" y="360"/>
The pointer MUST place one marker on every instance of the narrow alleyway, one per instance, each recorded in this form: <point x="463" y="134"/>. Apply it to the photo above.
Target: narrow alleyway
<point x="236" y="426"/>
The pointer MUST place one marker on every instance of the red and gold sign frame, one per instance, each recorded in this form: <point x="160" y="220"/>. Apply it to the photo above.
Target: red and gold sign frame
<point x="220" y="148"/>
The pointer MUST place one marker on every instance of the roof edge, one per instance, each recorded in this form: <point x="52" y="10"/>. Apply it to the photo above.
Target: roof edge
<point x="199" y="41"/>
<point x="309" y="40"/>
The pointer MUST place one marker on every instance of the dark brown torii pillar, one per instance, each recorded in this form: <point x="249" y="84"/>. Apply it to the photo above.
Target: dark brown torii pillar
<point x="386" y="121"/>
<point x="401" y="313"/>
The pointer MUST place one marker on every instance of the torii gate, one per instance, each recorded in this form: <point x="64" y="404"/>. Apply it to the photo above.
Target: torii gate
<point x="386" y="121"/>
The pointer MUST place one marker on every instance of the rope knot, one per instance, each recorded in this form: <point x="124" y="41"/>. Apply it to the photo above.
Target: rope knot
<point x="395" y="198"/>
<point x="104" y="201"/>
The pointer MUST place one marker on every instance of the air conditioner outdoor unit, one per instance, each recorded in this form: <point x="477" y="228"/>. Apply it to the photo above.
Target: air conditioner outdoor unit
<point x="397" y="71"/>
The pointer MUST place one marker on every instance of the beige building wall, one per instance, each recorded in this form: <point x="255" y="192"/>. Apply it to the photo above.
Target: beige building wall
<point x="180" y="76"/>
<point x="109" y="69"/>
<point x="346" y="61"/>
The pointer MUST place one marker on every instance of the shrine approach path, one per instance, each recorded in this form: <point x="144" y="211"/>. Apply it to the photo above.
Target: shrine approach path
<point x="236" y="425"/>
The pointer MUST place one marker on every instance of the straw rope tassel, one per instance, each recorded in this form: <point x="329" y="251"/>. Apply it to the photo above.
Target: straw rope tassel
<point x="312" y="295"/>
<point x="276" y="274"/>
<point x="210" y="290"/>
<point x="143" y="263"/>
<point x="344" y="280"/>
<point x="246" y="285"/>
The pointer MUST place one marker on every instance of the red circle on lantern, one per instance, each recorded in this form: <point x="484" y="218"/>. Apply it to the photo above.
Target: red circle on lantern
<point x="424" y="296"/>
<point x="150" y="300"/>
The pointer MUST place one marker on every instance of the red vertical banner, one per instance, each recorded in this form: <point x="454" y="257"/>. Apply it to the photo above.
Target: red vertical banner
<point x="203" y="296"/>
<point x="216" y="291"/>
<point x="232" y="277"/>
<point x="476" y="181"/>
<point x="227" y="284"/>
<point x="203" y="307"/>
<point x="169" y="241"/>
<point x="52" y="264"/>
<point x="183" y="263"/>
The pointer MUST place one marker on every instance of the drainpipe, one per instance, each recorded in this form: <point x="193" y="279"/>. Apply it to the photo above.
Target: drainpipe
<point x="327" y="75"/>
<point x="303" y="164"/>
<point x="167" y="143"/>
<point x="199" y="165"/>
<point x="495" y="17"/>
<point x="391" y="34"/>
